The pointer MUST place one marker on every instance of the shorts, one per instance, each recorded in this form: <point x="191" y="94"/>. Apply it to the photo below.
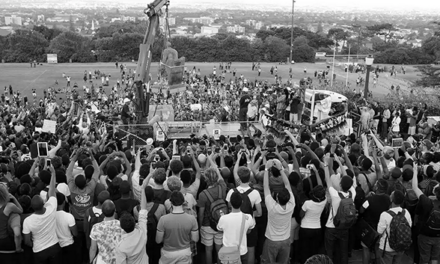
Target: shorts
<point x="429" y="248"/>
<point x="210" y="236"/>
<point x="252" y="238"/>
<point x="412" y="130"/>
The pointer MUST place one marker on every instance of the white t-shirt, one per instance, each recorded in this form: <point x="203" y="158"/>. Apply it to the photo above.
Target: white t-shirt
<point x="230" y="224"/>
<point x="42" y="227"/>
<point x="278" y="218"/>
<point x="336" y="200"/>
<point x="384" y="224"/>
<point x="136" y="188"/>
<point x="64" y="222"/>
<point x="313" y="210"/>
<point x="254" y="195"/>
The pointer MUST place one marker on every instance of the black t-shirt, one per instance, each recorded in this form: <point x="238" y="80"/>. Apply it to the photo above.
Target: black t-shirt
<point x="125" y="111"/>
<point x="423" y="210"/>
<point x="244" y="101"/>
<point x="161" y="195"/>
<point x="377" y="204"/>
<point x="294" y="105"/>
<point x="125" y="206"/>
<point x="306" y="184"/>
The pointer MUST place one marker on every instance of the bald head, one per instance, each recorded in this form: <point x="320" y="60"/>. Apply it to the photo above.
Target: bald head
<point x="37" y="203"/>
<point x="108" y="208"/>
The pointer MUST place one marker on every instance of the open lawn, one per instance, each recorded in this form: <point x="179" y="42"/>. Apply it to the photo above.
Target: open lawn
<point x="23" y="78"/>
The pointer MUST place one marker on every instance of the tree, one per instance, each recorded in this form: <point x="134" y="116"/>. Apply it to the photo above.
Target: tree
<point x="276" y="49"/>
<point x="70" y="45"/>
<point x="385" y="29"/>
<point x="48" y="33"/>
<point x="431" y="46"/>
<point x="71" y="24"/>
<point x="319" y="28"/>
<point x="301" y="51"/>
<point x="338" y="34"/>
<point x="25" y="45"/>
<point x="430" y="76"/>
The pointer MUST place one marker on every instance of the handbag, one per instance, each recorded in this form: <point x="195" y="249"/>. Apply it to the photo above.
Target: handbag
<point x="369" y="235"/>
<point x="231" y="255"/>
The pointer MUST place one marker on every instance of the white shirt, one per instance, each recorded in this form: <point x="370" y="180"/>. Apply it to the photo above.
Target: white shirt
<point x="384" y="224"/>
<point x="230" y="224"/>
<point x="313" y="210"/>
<point x="42" y="227"/>
<point x="64" y="222"/>
<point x="336" y="200"/>
<point x="279" y="219"/>
<point x="254" y="196"/>
<point x="136" y="188"/>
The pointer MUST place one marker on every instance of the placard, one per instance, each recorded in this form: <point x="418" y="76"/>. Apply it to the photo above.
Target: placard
<point x="216" y="134"/>
<point x="160" y="136"/>
<point x="49" y="126"/>
<point x="397" y="142"/>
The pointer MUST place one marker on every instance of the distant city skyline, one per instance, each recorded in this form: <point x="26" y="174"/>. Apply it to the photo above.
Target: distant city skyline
<point x="370" y="4"/>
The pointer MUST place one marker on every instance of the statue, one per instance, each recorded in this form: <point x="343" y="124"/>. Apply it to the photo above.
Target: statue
<point x="171" y="66"/>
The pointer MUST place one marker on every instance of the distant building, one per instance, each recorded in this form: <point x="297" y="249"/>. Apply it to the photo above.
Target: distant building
<point x="259" y="25"/>
<point x="5" y="32"/>
<point x="209" y="30"/>
<point x="251" y="22"/>
<point x="171" y="21"/>
<point x="201" y="20"/>
<point x="235" y="29"/>
<point x="13" y="20"/>
<point x="40" y="18"/>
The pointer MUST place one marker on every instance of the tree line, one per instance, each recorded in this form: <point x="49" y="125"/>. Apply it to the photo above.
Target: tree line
<point x="121" y="42"/>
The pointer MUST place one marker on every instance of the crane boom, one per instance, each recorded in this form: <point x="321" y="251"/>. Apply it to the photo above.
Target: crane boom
<point x="144" y="60"/>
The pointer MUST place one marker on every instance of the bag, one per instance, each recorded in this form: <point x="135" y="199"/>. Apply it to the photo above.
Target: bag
<point x="94" y="218"/>
<point x="411" y="200"/>
<point x="346" y="215"/>
<point x="361" y="196"/>
<point x="217" y="208"/>
<point x="231" y="255"/>
<point x="152" y="222"/>
<point x="432" y="226"/>
<point x="368" y="235"/>
<point x="400" y="232"/>
<point x="246" y="206"/>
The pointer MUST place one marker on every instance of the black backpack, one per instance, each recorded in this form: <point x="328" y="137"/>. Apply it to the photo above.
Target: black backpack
<point x="246" y="206"/>
<point x="432" y="226"/>
<point x="152" y="222"/>
<point x="361" y="196"/>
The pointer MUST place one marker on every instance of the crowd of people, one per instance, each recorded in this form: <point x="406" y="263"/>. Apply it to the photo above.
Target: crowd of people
<point x="290" y="197"/>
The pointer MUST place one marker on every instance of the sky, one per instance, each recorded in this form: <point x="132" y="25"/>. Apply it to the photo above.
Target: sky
<point x="361" y="4"/>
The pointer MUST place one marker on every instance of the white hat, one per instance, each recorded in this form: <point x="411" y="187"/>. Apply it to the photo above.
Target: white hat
<point x="245" y="89"/>
<point x="126" y="100"/>
<point x="150" y="141"/>
<point x="202" y="158"/>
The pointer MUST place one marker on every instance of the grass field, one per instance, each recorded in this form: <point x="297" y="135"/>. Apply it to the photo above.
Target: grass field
<point x="24" y="79"/>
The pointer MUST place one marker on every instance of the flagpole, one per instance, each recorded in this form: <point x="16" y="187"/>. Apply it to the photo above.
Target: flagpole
<point x="333" y="68"/>
<point x="348" y="66"/>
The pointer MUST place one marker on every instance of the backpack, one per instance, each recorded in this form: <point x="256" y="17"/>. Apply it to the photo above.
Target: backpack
<point x="94" y="218"/>
<point x="346" y="215"/>
<point x="411" y="200"/>
<point x="400" y="232"/>
<point x="217" y="208"/>
<point x="246" y="206"/>
<point x="432" y="226"/>
<point x="152" y="222"/>
<point x="361" y="196"/>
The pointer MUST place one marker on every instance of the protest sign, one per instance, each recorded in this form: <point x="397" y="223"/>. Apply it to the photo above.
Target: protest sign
<point x="49" y="126"/>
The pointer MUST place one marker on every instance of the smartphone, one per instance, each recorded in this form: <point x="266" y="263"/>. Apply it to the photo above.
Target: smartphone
<point x="209" y="151"/>
<point x="47" y="163"/>
<point x="156" y="158"/>
<point x="175" y="157"/>
<point x="333" y="148"/>
<point x="225" y="146"/>
<point x="42" y="149"/>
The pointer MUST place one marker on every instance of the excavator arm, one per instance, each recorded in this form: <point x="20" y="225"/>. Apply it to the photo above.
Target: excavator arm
<point x="144" y="60"/>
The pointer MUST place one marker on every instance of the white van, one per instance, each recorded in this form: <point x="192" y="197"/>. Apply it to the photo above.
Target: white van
<point x="338" y="104"/>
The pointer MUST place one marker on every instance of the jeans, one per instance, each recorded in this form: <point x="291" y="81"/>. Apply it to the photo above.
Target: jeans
<point x="48" y="256"/>
<point x="276" y="251"/>
<point x="337" y="240"/>
<point x="390" y="257"/>
<point x="310" y="241"/>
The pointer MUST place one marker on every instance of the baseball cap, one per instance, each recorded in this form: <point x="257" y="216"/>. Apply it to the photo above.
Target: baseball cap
<point x="150" y="141"/>
<point x="245" y="89"/>
<point x="126" y="100"/>
<point x="201" y="158"/>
